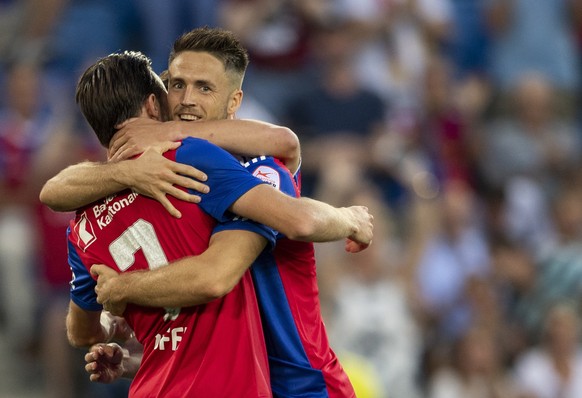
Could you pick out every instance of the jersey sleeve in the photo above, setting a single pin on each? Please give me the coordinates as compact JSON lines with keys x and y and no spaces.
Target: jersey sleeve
{"x":227,"y":178}
{"x":244,"y":224}
{"x":82,"y":290}
{"x":273,"y":172}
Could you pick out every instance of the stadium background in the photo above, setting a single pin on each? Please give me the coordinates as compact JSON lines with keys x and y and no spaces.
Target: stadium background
{"x":456,"y":121}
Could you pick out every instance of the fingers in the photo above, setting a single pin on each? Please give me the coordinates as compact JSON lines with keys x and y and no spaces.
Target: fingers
{"x":95,"y":352}
{"x":184,"y":195}
{"x":355,"y":247}
{"x":166,"y":146}
{"x":188,"y":171}
{"x":187,"y":183}
{"x":102,"y":269}
{"x":118,"y":140}
{"x":125,"y":152}
{"x":170,"y":208}
{"x":98,"y":269}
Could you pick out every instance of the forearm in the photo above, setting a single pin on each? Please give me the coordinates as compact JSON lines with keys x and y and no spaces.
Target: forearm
{"x":81,"y":184}
{"x":84,"y":328}
{"x":299,"y":219}
{"x":247,"y":138}
{"x":326,"y":223}
{"x":193,"y":280}
{"x":180,"y":285}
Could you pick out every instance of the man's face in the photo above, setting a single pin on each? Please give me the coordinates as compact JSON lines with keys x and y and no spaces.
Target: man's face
{"x":200,"y":89}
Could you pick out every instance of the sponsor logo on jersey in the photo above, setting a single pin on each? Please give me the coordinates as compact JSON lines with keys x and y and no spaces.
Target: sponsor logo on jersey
{"x":85,"y":232}
{"x":105,"y":211}
{"x":269,"y":175}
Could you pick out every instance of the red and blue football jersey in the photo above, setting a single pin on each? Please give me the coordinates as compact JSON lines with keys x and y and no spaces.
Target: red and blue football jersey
{"x":301,"y":360}
{"x":211,"y":350}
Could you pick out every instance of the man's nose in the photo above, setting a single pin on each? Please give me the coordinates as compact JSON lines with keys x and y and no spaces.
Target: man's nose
{"x":189,"y":96}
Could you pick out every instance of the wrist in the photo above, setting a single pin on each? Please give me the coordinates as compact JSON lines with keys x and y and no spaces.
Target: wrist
{"x":108,"y":326}
{"x":126,"y":287}
{"x":174,"y":131}
{"x":124,"y":363}
{"x":121,"y":174}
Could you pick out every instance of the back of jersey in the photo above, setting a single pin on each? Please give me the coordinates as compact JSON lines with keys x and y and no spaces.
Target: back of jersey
{"x":208,"y":350}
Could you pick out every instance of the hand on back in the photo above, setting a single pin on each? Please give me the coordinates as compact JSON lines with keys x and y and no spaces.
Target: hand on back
{"x":155,"y":176}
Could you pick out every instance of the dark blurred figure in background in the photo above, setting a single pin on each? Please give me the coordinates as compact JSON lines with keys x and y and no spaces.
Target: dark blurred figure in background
{"x":531,"y":35}
{"x":553,"y":366}
{"x":338,"y":108}
{"x":477,"y":369}
{"x":162,"y":21}
{"x":276,"y":34}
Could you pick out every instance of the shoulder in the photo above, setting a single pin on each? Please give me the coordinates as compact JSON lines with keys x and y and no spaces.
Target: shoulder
{"x":273,"y":172}
{"x":199,"y":152}
{"x":197,"y":145}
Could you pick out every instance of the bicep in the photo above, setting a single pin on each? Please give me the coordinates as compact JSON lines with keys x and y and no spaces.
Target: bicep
{"x":271,"y":207}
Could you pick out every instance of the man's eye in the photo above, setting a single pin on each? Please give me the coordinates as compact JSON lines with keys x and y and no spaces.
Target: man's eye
{"x":178,"y":85}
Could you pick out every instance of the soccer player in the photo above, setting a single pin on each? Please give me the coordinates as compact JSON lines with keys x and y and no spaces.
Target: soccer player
{"x":321,"y":375}
{"x":189,"y":351}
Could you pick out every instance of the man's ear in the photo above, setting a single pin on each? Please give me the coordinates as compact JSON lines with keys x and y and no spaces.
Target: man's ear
{"x":234,"y":102}
{"x":152,"y":107}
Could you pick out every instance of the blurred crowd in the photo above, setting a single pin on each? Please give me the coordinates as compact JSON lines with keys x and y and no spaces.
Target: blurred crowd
{"x":456,"y":121}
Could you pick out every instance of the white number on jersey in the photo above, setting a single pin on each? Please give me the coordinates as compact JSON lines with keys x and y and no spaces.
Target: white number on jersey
{"x":141,"y":235}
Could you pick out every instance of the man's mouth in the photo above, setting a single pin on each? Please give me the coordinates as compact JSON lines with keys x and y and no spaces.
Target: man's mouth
{"x":188,"y":118}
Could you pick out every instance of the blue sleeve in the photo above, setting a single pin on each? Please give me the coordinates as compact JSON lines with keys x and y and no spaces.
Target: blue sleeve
{"x":275,"y":174}
{"x":244,"y":224}
{"x":82,"y":285}
{"x":227,"y":178}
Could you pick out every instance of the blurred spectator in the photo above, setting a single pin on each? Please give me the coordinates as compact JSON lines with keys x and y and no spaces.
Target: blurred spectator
{"x":524,"y":153}
{"x":25,"y":126}
{"x":25,"y":29}
{"x":532,"y":139}
{"x":35,"y":143}
{"x":370,"y":313}
{"x":336,"y":108}
{"x":61,"y":364}
{"x":477,"y":369}
{"x":444,"y":134}
{"x":532,"y":35}
{"x":276,"y":33}
{"x":436,"y":142}
{"x":80,"y":32}
{"x":88,"y":29}
{"x":468,"y":43}
{"x":394,"y":39}
{"x":553,"y":368}
{"x":455,"y":252}
{"x":161,"y":22}
{"x":557,"y":275}
{"x":526,"y":215}
{"x":514,"y":273}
